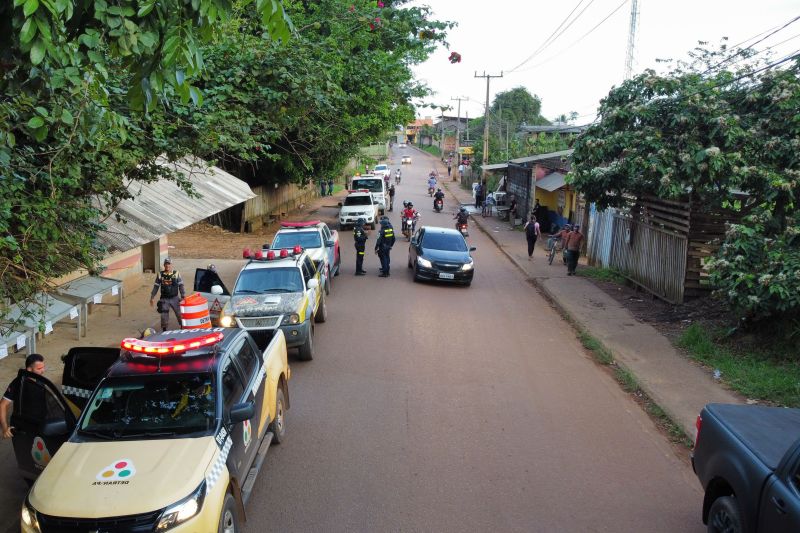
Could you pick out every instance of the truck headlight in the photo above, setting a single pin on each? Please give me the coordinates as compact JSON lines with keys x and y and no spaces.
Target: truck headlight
{"x":28,"y":518}
{"x":294,"y":318}
{"x":182,"y":511}
{"x":421,"y":261}
{"x":226,"y":321}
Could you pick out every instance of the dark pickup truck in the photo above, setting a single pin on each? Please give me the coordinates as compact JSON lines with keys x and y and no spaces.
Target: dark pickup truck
{"x":747,"y":458}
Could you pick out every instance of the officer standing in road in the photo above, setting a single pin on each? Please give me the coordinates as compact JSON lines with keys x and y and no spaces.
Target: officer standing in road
{"x":383,"y":246}
{"x":392,"y":192}
{"x":360,"y":238}
{"x":171,"y":285}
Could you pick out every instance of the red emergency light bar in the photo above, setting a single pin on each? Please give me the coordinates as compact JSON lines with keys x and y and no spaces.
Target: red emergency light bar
{"x":269,"y":255}
{"x":358,"y":190}
{"x":304,"y":224}
{"x":158,"y":348}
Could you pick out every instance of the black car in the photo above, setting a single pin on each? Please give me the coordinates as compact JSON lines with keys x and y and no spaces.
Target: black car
{"x":441,"y":254}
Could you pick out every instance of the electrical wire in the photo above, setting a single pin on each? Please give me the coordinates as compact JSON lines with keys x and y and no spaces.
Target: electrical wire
{"x":577,"y":41}
{"x":554,"y":36}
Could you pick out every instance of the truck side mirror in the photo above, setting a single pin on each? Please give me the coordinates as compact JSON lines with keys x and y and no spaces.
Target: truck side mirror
{"x":313,"y":283}
{"x":54,"y":428}
{"x":216,"y":289}
{"x":241,"y":412}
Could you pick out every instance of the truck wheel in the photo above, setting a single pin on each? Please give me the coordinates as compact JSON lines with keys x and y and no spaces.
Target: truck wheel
{"x":228,"y":519}
{"x":322,"y":312}
{"x":338,"y":265}
{"x":278,"y":424}
{"x":306,"y":351}
{"x":724,"y":516}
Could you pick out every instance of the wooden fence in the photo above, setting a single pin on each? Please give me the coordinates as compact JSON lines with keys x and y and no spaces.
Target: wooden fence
{"x":273,"y":203}
{"x":651,"y":257}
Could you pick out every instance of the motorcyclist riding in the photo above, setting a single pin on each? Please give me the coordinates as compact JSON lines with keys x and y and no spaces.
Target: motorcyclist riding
{"x":438,"y":198}
{"x":461,"y":217}
{"x":431,"y":184}
{"x":397,"y":176}
{"x":409,"y":213}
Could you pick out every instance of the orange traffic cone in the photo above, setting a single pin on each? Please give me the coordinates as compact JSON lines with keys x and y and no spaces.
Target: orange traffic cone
{"x":194,"y":312}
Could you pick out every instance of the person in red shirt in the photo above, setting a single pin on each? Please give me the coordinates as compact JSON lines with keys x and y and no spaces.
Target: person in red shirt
{"x":573,"y":244}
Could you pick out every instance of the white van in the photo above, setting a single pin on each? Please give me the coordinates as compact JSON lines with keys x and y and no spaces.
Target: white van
{"x":375,"y":185}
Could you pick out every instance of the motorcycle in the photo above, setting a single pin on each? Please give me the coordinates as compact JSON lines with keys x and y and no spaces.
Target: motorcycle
{"x":462,"y":227}
{"x":397,"y":178}
{"x":430,"y":191}
{"x":438,"y":204}
{"x":408,"y":227}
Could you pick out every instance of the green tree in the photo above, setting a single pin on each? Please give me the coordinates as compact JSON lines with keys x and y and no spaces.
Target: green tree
{"x":704,"y":131}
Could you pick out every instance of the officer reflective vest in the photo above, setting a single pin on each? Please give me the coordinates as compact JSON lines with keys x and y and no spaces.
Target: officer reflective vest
{"x":169,"y":284}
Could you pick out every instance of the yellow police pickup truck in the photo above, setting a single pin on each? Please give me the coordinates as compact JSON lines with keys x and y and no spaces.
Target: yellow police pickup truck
{"x":278,"y":289}
{"x":171,"y":438}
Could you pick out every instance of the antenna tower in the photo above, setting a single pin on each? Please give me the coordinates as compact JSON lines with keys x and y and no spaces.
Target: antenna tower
{"x":631,"y":38}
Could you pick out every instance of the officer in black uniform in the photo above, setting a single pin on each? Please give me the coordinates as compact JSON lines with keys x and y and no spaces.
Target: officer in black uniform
{"x":171,"y":285}
{"x":383,"y":246}
{"x":360,"y":239}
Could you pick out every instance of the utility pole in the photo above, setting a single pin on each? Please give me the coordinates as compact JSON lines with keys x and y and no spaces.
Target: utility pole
{"x":631,"y":38}
{"x":468,"y":125}
{"x":458,"y":130}
{"x":486,"y":119}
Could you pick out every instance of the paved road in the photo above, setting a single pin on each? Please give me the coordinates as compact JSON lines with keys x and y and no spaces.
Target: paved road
{"x":436,"y":408}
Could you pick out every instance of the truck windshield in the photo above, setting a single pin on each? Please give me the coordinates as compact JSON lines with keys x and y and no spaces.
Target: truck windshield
{"x":357,"y":200}
{"x":155,"y":406}
{"x":373,"y":184}
{"x":262,"y":280}
{"x":290,"y":239}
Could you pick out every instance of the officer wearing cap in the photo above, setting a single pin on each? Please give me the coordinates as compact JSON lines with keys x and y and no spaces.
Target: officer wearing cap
{"x":171,"y":285}
{"x":383,"y":246}
{"x":360,"y":239}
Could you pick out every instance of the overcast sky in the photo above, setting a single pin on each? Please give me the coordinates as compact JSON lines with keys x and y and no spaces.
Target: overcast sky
{"x":574,"y":72}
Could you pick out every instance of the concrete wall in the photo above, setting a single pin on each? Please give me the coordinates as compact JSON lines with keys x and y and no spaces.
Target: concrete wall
{"x":273,"y":203}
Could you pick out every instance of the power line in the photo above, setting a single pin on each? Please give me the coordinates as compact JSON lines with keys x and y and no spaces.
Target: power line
{"x":547,"y":42}
{"x":579,"y":39}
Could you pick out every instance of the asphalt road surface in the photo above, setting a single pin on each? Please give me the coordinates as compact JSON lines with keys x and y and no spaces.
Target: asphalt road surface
{"x":440,"y":408}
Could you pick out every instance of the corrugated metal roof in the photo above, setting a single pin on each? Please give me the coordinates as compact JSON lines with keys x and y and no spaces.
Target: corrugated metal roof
{"x":160,"y":208}
{"x":540,"y":157}
{"x":551,"y":182}
{"x":494,"y":166}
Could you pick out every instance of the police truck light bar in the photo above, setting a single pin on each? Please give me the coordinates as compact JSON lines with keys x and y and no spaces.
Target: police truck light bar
{"x":304,"y":224}
{"x":170,"y":347}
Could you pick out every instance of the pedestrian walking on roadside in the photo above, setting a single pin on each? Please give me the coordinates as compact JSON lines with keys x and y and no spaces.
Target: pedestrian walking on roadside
{"x":574,"y":241}
{"x":532,"y":232}
{"x":360,"y":239}
{"x":330,"y":186}
{"x":33,"y":363}
{"x":170,"y":283}
{"x":461,"y":171}
{"x":391,"y":197}
{"x":383,"y":246}
{"x":449,"y":168}
{"x":323,"y":187}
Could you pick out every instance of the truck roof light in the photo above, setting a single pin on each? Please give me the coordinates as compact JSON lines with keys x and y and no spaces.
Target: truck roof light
{"x":159,"y":348}
{"x":270,"y":255}
{"x":284,"y":253}
{"x":259,"y":254}
{"x":303,"y":224}
{"x":247,"y":253}
{"x":297,"y":250}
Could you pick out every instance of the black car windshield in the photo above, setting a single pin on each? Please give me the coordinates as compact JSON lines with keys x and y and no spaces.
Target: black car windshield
{"x":357,"y":200}
{"x":444,"y":241}
{"x":373,"y":184}
{"x":290,"y":239}
{"x":151,"y":406}
{"x":262,"y":280}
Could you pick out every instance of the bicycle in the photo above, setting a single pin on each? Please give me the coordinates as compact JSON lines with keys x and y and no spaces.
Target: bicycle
{"x":556,"y":244}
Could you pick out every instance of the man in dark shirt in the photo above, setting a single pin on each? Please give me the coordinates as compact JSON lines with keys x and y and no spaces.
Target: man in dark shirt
{"x":33,"y":363}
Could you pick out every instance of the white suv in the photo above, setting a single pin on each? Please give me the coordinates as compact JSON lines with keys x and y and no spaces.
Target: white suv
{"x":358,"y":204}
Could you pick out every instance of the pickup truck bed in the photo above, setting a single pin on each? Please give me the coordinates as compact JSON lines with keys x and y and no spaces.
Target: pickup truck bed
{"x":767,"y":431}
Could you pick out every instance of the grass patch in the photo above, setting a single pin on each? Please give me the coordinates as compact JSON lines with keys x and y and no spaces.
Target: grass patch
{"x":602,"y":274}
{"x":599,"y":351}
{"x":434,"y":150}
{"x":758,"y":375}
{"x":626,"y":379}
{"x":674,"y":431}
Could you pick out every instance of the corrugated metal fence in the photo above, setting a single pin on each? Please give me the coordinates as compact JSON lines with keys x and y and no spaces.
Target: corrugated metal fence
{"x":601,"y":227}
{"x":653,"y":258}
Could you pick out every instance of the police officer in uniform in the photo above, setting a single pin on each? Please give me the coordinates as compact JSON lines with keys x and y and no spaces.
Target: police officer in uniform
{"x":360,"y":239}
{"x":384,"y":244}
{"x":171,"y":285}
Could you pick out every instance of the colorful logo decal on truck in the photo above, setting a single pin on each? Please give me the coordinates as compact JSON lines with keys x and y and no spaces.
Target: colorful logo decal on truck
{"x":121,"y":470}
{"x":247,"y":433}
{"x":39,"y":452}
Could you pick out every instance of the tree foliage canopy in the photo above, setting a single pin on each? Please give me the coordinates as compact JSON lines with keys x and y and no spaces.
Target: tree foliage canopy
{"x":94,"y":92}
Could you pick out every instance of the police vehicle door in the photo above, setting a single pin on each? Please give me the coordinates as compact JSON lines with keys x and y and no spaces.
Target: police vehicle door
{"x":84,"y":368}
{"x":242,"y":434}
{"x":309,"y":273}
{"x":204,"y":279}
{"x":42,"y":422}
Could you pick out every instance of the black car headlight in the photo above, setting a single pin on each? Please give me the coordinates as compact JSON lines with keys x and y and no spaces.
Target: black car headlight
{"x":467,"y":266}
{"x":183,"y":510}
{"x":421,"y":261}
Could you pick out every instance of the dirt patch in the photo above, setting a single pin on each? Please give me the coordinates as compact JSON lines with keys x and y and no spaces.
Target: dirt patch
{"x":203,"y":240}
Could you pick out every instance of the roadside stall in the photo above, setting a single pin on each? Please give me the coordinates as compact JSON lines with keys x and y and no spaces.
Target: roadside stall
{"x":90,"y":290}
{"x":39,"y":315}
